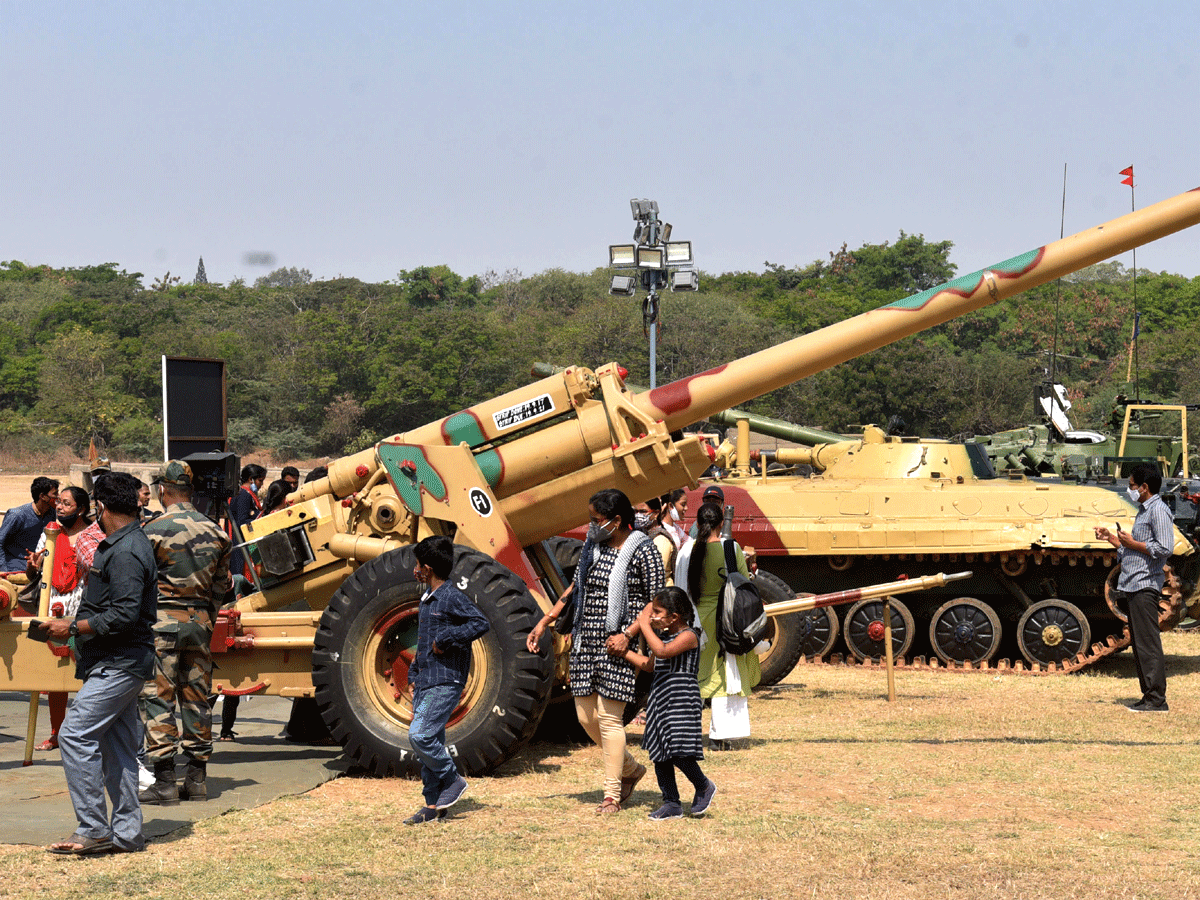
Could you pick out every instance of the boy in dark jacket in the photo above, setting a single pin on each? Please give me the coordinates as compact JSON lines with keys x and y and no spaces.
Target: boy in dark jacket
{"x":448,"y":622}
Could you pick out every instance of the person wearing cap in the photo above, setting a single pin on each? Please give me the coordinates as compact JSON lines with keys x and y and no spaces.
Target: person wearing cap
{"x":712,"y":494}
{"x":192,"y":554}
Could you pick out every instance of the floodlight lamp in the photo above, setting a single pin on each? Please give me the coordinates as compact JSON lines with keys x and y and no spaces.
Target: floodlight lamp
{"x":679,"y":253}
{"x":642,"y":209}
{"x":650,"y":258}
{"x":622,"y":286}
{"x":622,"y":256}
{"x":641,"y":233}
{"x":685,"y":280}
{"x":665,"y":232}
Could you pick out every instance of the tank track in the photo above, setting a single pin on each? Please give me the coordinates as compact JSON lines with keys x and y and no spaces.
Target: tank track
{"x":1171,"y":611}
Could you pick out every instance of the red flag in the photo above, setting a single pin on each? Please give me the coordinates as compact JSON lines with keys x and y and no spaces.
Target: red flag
{"x":1128,"y":173}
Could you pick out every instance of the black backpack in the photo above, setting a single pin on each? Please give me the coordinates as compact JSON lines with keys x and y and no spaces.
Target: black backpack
{"x":741,"y":618}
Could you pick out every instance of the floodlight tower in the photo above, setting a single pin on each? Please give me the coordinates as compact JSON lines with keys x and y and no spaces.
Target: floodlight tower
{"x":657,"y":261}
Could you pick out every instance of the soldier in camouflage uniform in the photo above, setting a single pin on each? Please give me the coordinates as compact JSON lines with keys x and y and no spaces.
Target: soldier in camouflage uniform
{"x":193,"y":582}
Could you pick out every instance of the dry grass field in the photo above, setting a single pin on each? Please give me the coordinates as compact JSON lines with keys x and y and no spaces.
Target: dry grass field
{"x":969,"y":786}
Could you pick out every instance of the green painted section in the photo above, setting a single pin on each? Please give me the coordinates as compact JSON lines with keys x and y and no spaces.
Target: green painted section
{"x":464,"y":427}
{"x":393,"y":456}
{"x":490,"y":465}
{"x":966,"y":284}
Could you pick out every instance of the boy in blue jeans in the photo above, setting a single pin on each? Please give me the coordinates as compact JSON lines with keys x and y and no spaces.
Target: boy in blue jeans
{"x":448,"y":621}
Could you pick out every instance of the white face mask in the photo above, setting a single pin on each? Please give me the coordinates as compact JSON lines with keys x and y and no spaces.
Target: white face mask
{"x":674,"y":514}
{"x":1134,"y":494}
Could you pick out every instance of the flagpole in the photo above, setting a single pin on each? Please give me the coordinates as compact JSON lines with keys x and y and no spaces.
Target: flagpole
{"x":1137,"y":390}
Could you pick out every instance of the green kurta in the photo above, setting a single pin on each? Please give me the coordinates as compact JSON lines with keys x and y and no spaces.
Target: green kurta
{"x":712,"y":661}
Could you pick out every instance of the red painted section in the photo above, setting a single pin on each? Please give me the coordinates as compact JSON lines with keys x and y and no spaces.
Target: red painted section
{"x":677,"y":396}
{"x":751,"y":527}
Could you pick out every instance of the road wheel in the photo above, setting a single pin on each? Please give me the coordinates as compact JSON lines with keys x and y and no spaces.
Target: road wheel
{"x":864,"y":629}
{"x":793,"y":635}
{"x":365,"y":643}
{"x":965,"y":631}
{"x":1053,"y":631}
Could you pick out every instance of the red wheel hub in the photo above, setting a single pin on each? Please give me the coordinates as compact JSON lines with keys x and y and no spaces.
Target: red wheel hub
{"x":875,"y":630}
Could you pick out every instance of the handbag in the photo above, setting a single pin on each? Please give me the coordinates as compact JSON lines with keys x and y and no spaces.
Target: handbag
{"x":565,"y":623}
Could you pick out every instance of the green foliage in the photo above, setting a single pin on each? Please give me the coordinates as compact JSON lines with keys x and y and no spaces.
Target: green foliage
{"x":329,"y":367}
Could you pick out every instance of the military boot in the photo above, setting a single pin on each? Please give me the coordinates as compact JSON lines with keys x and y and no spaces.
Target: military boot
{"x":195,"y":787}
{"x":164,"y":791}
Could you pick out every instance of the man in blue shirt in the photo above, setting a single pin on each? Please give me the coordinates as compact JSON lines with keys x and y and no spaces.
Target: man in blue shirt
{"x":447,"y":624}
{"x":1143,"y":551}
{"x":21,"y":528}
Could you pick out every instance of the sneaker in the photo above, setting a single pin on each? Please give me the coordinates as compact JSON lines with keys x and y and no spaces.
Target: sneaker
{"x":628,"y":784}
{"x":704,"y":799}
{"x":423,"y":815}
{"x":452,"y":794}
{"x":672,"y":809}
{"x":1143,"y":706}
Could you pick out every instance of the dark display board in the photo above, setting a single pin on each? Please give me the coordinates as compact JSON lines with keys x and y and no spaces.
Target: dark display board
{"x":193,"y":406}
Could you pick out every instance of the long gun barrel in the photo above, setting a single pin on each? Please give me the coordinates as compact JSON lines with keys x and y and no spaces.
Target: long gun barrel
{"x":908,"y":586}
{"x":564,"y":437}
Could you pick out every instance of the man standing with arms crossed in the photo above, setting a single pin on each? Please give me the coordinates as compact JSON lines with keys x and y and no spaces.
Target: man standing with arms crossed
{"x":1143,"y":551}
{"x":114,"y":647}
{"x":193,"y":581}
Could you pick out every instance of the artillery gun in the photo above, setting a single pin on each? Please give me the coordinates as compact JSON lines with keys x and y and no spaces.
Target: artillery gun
{"x":334,"y":612}
{"x":880,"y":507}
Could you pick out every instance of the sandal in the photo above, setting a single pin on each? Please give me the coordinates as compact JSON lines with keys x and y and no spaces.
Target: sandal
{"x":227,"y":736}
{"x":78,"y":845}
{"x":639,"y":719}
{"x":628,"y":784}
{"x":608,"y":807}
{"x":50,"y":743}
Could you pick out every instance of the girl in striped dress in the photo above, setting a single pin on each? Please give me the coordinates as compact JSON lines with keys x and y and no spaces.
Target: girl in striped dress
{"x":672,"y":737}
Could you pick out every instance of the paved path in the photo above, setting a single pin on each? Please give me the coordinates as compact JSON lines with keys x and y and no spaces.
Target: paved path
{"x":260,"y":766}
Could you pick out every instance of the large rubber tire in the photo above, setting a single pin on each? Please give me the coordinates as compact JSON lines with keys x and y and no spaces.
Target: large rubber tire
{"x":786,"y":634}
{"x":367,"y":637}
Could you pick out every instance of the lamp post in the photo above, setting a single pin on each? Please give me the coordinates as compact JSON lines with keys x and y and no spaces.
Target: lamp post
{"x":656,"y":261}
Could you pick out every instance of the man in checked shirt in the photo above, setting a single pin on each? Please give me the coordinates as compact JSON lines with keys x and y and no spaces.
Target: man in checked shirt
{"x":1143,"y":551}
{"x":447,"y":624}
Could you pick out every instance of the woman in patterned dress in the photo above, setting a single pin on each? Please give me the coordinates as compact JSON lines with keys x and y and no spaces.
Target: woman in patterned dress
{"x":619,"y":572}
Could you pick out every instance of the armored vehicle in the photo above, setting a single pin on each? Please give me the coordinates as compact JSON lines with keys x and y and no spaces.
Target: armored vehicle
{"x":1055,"y":447}
{"x":877,"y":508}
{"x":334,"y":612}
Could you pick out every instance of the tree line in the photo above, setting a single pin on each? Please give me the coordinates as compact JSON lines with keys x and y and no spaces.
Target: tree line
{"x":324,"y":368}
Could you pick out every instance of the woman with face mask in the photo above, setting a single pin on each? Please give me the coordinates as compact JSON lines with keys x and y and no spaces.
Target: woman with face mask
{"x":619,"y":572}
{"x":74,"y":548}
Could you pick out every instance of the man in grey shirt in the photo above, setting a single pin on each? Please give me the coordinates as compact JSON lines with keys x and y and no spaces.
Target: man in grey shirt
{"x":1143,"y":551}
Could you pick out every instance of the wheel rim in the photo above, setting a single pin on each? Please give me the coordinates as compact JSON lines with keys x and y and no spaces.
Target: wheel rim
{"x":864,"y":630}
{"x":1053,"y":631}
{"x":388,"y":655}
{"x":965,"y":630}
{"x":818,"y":629}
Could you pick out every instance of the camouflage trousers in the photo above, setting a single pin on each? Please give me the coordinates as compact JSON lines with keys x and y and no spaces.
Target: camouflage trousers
{"x":182,"y":680}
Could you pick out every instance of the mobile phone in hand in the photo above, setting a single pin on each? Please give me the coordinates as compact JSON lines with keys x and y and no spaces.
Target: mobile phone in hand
{"x":38,"y":631}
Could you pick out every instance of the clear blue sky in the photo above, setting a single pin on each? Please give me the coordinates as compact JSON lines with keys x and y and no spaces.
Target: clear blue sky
{"x":361,"y":139}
